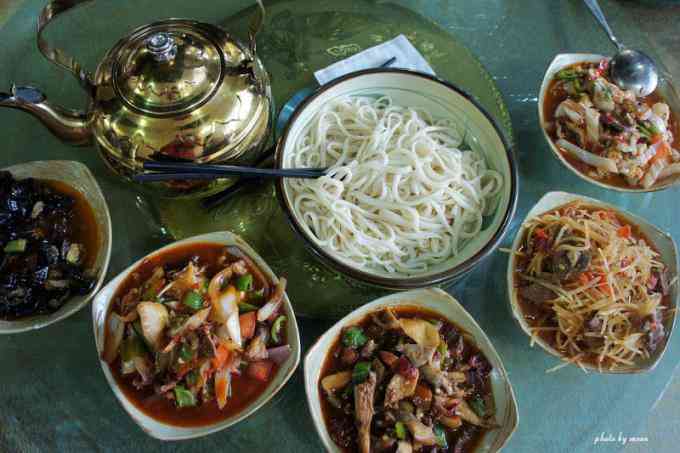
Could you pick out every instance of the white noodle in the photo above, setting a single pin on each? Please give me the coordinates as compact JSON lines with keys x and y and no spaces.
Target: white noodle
{"x":400,"y":195}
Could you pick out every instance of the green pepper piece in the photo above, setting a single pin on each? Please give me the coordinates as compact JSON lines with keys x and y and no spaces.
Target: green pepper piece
{"x":567,"y":74}
{"x":440,"y":436}
{"x":183,"y":397}
{"x":192,"y":377}
{"x":186,"y":353}
{"x":354,"y":337}
{"x":400,"y":430}
{"x":478,"y":405}
{"x":256,"y":295}
{"x":193,"y":300}
{"x":277,"y":326}
{"x":360,"y":372}
{"x":244,"y":282}
{"x":16,"y":246}
{"x":245,"y":307}
{"x":132,"y":347}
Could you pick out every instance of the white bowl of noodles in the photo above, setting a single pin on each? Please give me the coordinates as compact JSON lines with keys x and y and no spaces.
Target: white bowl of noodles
{"x":421,"y":183}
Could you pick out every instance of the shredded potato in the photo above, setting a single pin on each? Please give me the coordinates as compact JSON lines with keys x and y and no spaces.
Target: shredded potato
{"x":607,"y":312}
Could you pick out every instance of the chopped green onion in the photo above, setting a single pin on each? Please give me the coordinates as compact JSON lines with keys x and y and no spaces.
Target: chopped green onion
{"x":245,"y":307}
{"x":277,"y":326}
{"x":360,"y":372}
{"x":244,"y":282}
{"x":183,"y":397}
{"x":205,"y":286}
{"x":400,"y":430}
{"x":478,"y":405}
{"x":354,"y":337}
{"x":347,"y":393}
{"x":440,"y":436}
{"x":16,"y":246}
{"x":186,"y":353}
{"x":443,"y":348}
{"x":193,"y":300}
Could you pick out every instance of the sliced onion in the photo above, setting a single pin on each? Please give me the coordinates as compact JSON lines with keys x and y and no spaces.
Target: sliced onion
{"x":588,"y":157}
{"x":272,"y":307}
{"x":653,"y":173}
{"x":279,"y":354}
{"x":224,"y":304}
{"x":670,"y":170}
{"x":234,"y":328}
{"x":115,"y":328}
{"x":194,"y":322}
{"x":154,"y":318}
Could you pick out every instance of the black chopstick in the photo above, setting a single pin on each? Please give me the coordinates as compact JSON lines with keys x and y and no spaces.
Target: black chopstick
{"x":230,"y":170}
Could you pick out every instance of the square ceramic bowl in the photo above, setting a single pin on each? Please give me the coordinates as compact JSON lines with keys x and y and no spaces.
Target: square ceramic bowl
{"x":663,"y":242}
{"x":168,"y":432}
{"x":442,"y":100}
{"x":79,"y":177}
{"x":666,"y":89}
{"x":442,"y":303}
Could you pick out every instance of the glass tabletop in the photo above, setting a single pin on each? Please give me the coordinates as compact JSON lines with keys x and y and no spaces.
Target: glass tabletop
{"x":54,"y":396}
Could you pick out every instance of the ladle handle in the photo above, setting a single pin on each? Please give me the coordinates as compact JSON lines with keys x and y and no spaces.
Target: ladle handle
{"x":594,"y":7}
{"x":57,"y":56}
{"x":255,"y":26}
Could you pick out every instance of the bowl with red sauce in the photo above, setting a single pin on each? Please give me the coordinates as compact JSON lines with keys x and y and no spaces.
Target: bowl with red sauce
{"x":196,"y":336}
{"x":605,"y":135}
{"x":55,"y":242}
{"x":410,"y":371}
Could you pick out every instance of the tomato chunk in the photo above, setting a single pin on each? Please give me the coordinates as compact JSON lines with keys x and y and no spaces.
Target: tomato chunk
{"x":260,"y":371}
{"x":248,"y":322}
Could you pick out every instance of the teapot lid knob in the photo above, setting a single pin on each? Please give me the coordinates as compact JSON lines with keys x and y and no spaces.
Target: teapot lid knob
{"x":162,"y":46}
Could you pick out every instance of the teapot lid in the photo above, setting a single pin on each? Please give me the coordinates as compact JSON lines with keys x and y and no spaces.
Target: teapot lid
{"x":168,"y":69}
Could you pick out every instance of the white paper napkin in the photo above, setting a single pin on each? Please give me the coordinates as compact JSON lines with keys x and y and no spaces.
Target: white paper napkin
{"x":407,"y":57}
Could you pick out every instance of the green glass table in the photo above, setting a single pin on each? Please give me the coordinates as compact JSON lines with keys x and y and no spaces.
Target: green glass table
{"x":54,"y":396}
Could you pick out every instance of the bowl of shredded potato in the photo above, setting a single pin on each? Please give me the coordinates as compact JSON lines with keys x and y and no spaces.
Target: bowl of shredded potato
{"x":594,"y":285}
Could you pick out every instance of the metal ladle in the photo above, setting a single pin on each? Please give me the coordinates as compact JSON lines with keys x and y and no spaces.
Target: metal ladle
{"x":629,"y":69}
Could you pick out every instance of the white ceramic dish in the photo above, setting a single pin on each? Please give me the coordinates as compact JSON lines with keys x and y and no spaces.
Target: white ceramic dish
{"x":440,"y":302}
{"x":443,"y":100}
{"x":663,"y":242}
{"x":79,"y":177}
{"x":164,"y":431}
{"x":561,"y":61}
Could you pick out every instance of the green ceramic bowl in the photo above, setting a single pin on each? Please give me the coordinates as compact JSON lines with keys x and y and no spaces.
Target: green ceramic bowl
{"x":443,"y":100}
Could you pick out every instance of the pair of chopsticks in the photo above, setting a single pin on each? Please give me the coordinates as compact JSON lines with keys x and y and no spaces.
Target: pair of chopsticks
{"x":168,"y":171}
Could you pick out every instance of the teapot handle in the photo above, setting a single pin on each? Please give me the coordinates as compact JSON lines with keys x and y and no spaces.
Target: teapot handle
{"x":57,"y":56}
{"x":255,"y":26}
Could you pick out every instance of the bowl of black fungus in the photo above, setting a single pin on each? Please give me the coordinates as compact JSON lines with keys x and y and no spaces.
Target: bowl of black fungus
{"x":55,"y":242}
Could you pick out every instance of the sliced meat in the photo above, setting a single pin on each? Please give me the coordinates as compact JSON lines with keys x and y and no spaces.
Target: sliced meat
{"x":439,"y":379}
{"x":400,"y":387}
{"x":257,"y":349}
{"x":565,"y":265}
{"x":364,"y":410}
{"x":418,"y":355}
{"x":387,"y":320}
{"x":404,"y":447}
{"x":368,"y":349}
{"x":421,"y":433}
{"x":536,"y":293}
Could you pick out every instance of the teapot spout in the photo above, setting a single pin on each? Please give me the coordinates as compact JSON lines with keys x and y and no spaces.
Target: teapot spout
{"x":70,"y":126}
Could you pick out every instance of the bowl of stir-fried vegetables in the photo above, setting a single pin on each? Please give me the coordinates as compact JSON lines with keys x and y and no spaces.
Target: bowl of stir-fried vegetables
{"x":608,"y":136}
{"x":196,"y":336}
{"x":409,"y":372}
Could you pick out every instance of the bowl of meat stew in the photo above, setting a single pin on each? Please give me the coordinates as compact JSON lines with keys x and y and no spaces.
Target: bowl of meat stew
{"x":196,"y":336}
{"x":409,"y":372}
{"x":610,"y":137}
{"x":55,"y":242}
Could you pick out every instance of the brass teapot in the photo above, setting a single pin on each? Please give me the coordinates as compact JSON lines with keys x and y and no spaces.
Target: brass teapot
{"x":174,"y":90}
